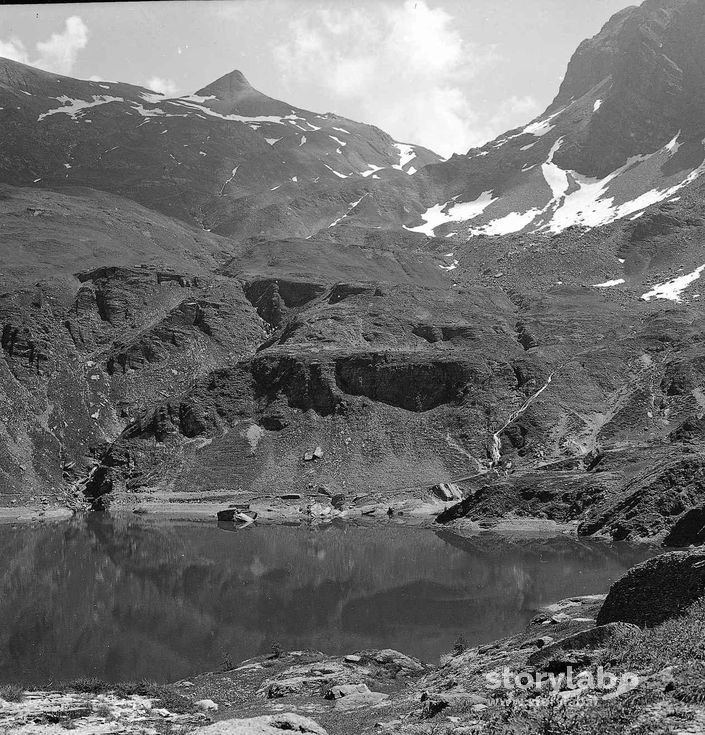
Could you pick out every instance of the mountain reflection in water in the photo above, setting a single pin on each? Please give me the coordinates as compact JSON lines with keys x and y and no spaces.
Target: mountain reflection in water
{"x":125,"y":598}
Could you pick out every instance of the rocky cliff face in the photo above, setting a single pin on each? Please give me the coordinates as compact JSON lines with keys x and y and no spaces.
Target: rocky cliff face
{"x":406,"y":315}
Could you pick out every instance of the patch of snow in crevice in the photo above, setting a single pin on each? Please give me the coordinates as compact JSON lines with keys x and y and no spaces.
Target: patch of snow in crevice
{"x":672,"y":290}
{"x":272,"y":141}
{"x":674,"y":145}
{"x":608,"y":284}
{"x":337,"y":140}
{"x":232,"y":176}
{"x":351,"y":208}
{"x":526,"y":147}
{"x":303,"y":140}
{"x":597,"y":105}
{"x":555,"y":176}
{"x":337,"y":173}
{"x":342,"y":130}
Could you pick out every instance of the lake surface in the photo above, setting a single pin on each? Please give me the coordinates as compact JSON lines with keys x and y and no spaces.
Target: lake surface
{"x":129,"y":598}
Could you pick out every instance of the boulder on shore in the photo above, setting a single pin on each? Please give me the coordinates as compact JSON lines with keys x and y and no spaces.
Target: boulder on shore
{"x":265,"y":725}
{"x":656,"y":590}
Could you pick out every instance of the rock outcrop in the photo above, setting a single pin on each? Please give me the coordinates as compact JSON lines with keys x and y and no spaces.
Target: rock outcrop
{"x":656,"y":590}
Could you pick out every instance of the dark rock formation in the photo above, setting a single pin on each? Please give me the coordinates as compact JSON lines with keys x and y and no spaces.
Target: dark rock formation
{"x":656,"y":590}
{"x":688,"y":530}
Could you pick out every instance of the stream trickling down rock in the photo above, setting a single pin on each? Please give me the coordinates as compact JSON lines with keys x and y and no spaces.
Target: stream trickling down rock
{"x":124,"y":598}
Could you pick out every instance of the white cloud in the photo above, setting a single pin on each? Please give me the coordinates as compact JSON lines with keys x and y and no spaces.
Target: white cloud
{"x":404,"y":66}
{"x":58,"y":53}
{"x":163,"y":86}
{"x":13,"y":49}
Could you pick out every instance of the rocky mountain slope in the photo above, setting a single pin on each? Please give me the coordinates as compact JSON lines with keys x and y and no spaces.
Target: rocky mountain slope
{"x":227,"y":158}
{"x":198,"y":292}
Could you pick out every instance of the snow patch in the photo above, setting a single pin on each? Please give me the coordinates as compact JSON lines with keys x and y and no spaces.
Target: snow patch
{"x":555,"y":176}
{"x":272,"y":141}
{"x":371,"y":170}
{"x":337,"y":173}
{"x":597,"y":105}
{"x":513,"y":222}
{"x":673,"y":289}
{"x":72,"y":107}
{"x":450,"y":267}
{"x":540,"y":127}
{"x":674,"y":145}
{"x":350,"y":209}
{"x":406,"y":155}
{"x":440,"y":214}
{"x":608,"y":284}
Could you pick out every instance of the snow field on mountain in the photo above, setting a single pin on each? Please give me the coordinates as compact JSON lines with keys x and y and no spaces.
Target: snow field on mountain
{"x":673,"y":289}
{"x":436,"y":216}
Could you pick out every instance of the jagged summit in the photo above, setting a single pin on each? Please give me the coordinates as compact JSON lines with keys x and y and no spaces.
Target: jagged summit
{"x":625,"y":131}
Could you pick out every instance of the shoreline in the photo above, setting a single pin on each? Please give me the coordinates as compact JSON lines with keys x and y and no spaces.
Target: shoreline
{"x":417,"y":513}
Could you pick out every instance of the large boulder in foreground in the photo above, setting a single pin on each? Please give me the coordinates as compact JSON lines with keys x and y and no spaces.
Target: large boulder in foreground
{"x":656,"y":590}
{"x":266,"y":725}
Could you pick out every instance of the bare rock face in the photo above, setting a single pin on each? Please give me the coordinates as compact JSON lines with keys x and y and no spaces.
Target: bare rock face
{"x":652,"y":503}
{"x":656,"y":590}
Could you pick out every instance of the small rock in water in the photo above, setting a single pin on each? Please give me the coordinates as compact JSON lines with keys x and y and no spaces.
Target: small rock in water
{"x":318,"y":453}
{"x":352,"y":659}
{"x":308,"y":457}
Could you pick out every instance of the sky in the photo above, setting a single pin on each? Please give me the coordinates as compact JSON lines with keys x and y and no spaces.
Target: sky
{"x":446,"y":74}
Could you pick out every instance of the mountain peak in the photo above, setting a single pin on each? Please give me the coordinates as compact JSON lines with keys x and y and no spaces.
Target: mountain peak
{"x":230,"y":88}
